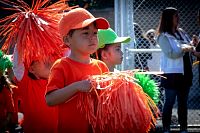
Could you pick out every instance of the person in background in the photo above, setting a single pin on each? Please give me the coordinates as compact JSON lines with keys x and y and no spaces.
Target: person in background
{"x":141,"y":43}
{"x":196,"y":42}
{"x":176,"y":65}
{"x":68,"y":75}
{"x":109,"y":48}
{"x":151,"y":36}
{"x":198,"y":18}
{"x":154,"y":63}
{"x":7,"y":107}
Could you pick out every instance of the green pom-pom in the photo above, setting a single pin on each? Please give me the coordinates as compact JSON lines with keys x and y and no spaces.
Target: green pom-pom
{"x":4,"y":62}
{"x":1,"y":54}
{"x":149,"y":86}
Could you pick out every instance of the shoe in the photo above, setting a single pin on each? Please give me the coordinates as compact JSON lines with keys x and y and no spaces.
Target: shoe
{"x":184,"y":131}
{"x":174,"y":120}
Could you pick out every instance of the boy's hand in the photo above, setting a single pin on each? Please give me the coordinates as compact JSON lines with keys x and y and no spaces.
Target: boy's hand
{"x":84,"y":85}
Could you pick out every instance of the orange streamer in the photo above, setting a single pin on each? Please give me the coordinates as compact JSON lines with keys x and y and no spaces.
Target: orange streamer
{"x":118,"y":105}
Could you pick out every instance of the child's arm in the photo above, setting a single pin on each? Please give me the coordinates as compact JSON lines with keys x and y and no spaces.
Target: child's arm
{"x":62,"y":95}
{"x":18,"y":66}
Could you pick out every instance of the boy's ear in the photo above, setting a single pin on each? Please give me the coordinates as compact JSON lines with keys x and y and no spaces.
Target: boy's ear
{"x":104,"y":54}
{"x":31,"y":69}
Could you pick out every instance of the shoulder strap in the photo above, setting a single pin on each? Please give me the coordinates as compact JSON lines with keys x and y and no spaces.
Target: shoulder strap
{"x":184,"y":35}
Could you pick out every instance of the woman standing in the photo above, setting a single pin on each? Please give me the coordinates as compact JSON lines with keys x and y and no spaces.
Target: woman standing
{"x":176,"y":65}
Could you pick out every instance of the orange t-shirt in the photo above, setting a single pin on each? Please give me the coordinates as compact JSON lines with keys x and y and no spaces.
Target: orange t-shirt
{"x":64,"y":72}
{"x":38,"y":117}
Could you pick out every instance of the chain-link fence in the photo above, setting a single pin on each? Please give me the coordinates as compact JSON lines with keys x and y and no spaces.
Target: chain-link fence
{"x":146,"y":15}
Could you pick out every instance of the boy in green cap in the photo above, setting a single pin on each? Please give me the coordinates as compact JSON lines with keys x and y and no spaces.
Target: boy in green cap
{"x":109,"y":50}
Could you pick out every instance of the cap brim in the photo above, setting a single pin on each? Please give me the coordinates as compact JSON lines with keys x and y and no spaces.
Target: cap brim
{"x":101,"y":23}
{"x":122,"y":40}
{"x":117,"y":40}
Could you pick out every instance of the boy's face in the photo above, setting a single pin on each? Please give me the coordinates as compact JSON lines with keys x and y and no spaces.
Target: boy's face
{"x":114,"y":54}
{"x":83,"y":41}
{"x":40,"y":69}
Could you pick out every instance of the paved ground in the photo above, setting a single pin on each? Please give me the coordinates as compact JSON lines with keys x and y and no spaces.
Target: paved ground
{"x":192,"y":128}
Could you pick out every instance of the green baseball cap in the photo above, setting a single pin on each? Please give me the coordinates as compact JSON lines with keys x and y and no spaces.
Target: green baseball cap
{"x":108,"y":36}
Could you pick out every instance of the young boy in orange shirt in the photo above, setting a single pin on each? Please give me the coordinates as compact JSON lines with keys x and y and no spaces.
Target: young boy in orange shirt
{"x":68,"y":76}
{"x":38,"y":117}
{"x":110,"y":48}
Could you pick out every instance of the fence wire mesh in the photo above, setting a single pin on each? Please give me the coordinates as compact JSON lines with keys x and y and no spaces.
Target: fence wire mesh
{"x":146,"y":16}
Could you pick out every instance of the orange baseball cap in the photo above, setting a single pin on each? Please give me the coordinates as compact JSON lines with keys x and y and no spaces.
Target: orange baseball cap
{"x":79,"y":18}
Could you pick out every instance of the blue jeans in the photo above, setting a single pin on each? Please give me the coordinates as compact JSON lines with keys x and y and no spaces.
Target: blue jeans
{"x":174,"y":90}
